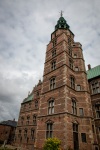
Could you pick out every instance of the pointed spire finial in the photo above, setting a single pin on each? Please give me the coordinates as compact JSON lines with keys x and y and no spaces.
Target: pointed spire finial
{"x":61,"y":13}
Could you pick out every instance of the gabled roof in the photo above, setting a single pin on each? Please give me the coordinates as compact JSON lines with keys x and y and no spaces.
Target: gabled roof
{"x":11,"y":123}
{"x":93,"y":72}
{"x":29,"y":98}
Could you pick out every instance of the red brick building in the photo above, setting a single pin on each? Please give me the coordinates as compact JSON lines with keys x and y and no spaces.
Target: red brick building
{"x":94,"y":83}
{"x":7,"y":131}
{"x":60,"y":106}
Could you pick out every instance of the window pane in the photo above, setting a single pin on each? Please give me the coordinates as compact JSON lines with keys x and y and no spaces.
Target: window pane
{"x":50,"y":127}
{"x":78,"y":87}
{"x":83,"y":136}
{"x":81,"y":111}
{"x":50,"y":134}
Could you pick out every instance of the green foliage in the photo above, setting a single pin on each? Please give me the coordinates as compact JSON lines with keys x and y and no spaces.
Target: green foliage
{"x":52,"y":144}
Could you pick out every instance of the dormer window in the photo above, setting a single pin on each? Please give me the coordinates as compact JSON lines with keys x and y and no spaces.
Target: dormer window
{"x":95,"y":87}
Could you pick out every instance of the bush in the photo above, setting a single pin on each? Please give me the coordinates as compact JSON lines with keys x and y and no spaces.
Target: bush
{"x":52,"y":144}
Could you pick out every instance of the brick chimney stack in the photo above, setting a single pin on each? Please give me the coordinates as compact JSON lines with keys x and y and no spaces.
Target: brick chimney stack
{"x":89,"y":66}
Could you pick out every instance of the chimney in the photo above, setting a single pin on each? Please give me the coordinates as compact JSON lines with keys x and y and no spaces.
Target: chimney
{"x":89,"y":66}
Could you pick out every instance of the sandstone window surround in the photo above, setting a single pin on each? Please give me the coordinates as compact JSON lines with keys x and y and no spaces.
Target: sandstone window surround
{"x":71,"y":63}
{"x":49,"y":130}
{"x":72,"y":82}
{"x":51,"y":106}
{"x":83,"y":137}
{"x":53,"y":52}
{"x":53,"y":65}
{"x":74,"y":108}
{"x":52,"y":83}
{"x":34,"y":120}
{"x":95,"y":87}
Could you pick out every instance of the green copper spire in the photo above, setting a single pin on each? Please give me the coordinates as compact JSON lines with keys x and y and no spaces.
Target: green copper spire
{"x":61,"y":23}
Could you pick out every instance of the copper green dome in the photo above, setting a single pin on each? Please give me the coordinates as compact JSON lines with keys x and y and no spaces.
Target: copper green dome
{"x":61,"y":24}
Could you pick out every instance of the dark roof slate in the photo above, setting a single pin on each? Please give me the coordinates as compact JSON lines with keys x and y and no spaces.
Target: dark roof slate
{"x":11,"y":123}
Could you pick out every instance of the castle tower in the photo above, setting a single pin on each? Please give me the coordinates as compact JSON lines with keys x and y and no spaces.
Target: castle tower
{"x":65,"y":108}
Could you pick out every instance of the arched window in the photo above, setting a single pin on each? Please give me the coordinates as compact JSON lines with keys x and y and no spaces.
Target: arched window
{"x":52,"y":83}
{"x":49,"y":129}
{"x":72,"y":82}
{"x":74,"y":108}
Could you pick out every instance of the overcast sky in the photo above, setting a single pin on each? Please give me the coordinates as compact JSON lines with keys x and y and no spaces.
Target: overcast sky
{"x":25,"y":30}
